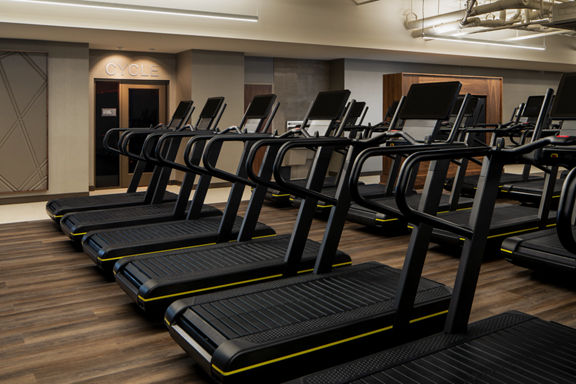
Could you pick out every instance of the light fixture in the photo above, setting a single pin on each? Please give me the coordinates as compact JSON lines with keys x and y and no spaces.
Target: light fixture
{"x":481,"y":42}
{"x":144,"y":9}
{"x":536,"y":35}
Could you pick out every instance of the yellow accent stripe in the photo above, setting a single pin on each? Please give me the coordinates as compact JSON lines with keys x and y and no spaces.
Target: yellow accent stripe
{"x":315,"y":348}
{"x":333,"y":266}
{"x":324,"y":206}
{"x":78,"y":234}
{"x":164,"y":250}
{"x":226,"y":285}
{"x":550,"y":225}
{"x":428,"y":316}
{"x":280,"y":194}
{"x":410,"y":226}
{"x":57,"y":216}
{"x":513,"y":232}
{"x":385,"y":220}
{"x":506,"y":250}
{"x":177,"y":249}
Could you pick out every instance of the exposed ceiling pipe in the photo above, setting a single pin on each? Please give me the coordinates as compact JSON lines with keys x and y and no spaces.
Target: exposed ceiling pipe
{"x":501,"y":5}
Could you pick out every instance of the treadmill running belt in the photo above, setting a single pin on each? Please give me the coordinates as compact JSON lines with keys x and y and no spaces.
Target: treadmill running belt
{"x":289,"y":322}
{"x":115,"y":243}
{"x":537,"y":250}
{"x":148,"y":279}
{"x":59,"y":207}
{"x":508,"y":348}
{"x":81,"y":222}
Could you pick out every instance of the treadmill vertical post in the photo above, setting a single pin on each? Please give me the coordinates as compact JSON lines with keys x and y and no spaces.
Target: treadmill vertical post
{"x":258,"y":195}
{"x":418,"y":245}
{"x":473,"y":249}
{"x":187,"y":184}
{"x":337,"y":217}
{"x":306,"y":212}
{"x":203,"y":185}
{"x":548,"y":190}
{"x":164,"y":175}
{"x":234,"y":198}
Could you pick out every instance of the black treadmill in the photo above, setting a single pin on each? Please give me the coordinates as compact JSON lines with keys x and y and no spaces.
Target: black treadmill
{"x":107,"y":246}
{"x":154,"y":281}
{"x":276,"y":329}
{"x":59,"y":207}
{"x":543,"y":250}
{"x":412,"y":116}
{"x":517,"y":129}
{"x":509,"y":348}
{"x":77,"y":224}
{"x":508,"y":219}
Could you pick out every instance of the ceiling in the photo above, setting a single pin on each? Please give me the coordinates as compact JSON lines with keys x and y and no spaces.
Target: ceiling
{"x":320,"y":29}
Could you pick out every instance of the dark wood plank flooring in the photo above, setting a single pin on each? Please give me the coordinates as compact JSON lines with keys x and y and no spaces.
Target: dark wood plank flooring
{"x":61,"y":321}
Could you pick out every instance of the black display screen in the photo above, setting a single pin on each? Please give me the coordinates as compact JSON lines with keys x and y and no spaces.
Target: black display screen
{"x":182,"y":109}
{"x":357,"y":109}
{"x":564,"y":107}
{"x":260,"y":106}
{"x":329,"y":105}
{"x":533,"y":106}
{"x":430,"y":101}
{"x":211,"y":107}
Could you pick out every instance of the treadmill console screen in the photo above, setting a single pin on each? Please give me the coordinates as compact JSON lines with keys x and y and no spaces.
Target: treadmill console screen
{"x":564,"y":107}
{"x":430,"y":101}
{"x":533,"y":106}
{"x":181,"y":110}
{"x":357,"y":109}
{"x":329,"y":105}
{"x":211,"y":107}
{"x":260,"y":106}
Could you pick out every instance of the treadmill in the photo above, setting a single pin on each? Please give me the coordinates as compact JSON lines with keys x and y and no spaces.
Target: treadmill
{"x":77,"y":224}
{"x":59,"y":207}
{"x":276,"y":329}
{"x":521,"y":125}
{"x":508,"y":348}
{"x":156,"y":280}
{"x":412,"y":114}
{"x":508,"y":219}
{"x":543,"y":250}
{"x":107,"y":246}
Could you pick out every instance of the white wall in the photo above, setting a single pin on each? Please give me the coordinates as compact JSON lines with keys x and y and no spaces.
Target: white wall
{"x":68,"y":128}
{"x":364,"y":79}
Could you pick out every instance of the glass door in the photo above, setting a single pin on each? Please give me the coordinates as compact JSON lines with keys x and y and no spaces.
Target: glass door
{"x":141,"y":106}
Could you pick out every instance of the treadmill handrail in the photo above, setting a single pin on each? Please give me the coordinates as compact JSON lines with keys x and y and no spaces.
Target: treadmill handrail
{"x":404,"y":178}
{"x":181,"y":167}
{"x":373,"y":152}
{"x":126,"y":137}
{"x":416,"y":216}
{"x":220,"y":172}
{"x":311,"y":142}
{"x":564,"y":225}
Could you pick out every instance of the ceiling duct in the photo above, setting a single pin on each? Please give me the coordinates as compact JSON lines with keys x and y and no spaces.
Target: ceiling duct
{"x":563,"y":16}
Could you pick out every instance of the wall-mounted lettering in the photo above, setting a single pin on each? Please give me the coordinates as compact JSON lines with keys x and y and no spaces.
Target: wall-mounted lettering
{"x":132,"y":70}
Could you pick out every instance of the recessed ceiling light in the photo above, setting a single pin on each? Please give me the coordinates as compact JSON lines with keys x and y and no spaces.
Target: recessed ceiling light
{"x":144,"y":9}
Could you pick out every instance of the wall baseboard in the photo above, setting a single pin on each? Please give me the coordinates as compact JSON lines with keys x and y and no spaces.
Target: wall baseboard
{"x":34,"y":199}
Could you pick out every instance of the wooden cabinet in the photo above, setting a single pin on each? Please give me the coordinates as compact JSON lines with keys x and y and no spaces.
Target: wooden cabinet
{"x":397,"y":85}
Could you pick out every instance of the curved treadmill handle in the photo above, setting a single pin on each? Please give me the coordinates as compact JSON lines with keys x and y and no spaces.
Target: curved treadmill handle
{"x":246,"y":137}
{"x":159,"y":152}
{"x":565,"y":211}
{"x":416,"y":216}
{"x":128,"y":136}
{"x":315,"y":142}
{"x":374,"y":152}
{"x":276,"y":141}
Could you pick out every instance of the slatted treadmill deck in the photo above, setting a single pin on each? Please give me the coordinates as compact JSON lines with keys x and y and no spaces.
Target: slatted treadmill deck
{"x":539,"y":250}
{"x":114,"y":243}
{"x":366,"y":216}
{"x":508,"y":348}
{"x":281,"y":324}
{"x":82,"y":222}
{"x":156,"y":280}
{"x":62,"y":206}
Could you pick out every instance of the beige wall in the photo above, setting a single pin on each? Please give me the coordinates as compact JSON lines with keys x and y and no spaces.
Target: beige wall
{"x":133,"y":66}
{"x":206,"y":74}
{"x":68,"y":160}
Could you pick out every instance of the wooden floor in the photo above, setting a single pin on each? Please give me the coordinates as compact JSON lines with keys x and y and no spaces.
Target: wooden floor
{"x":61,"y":321}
